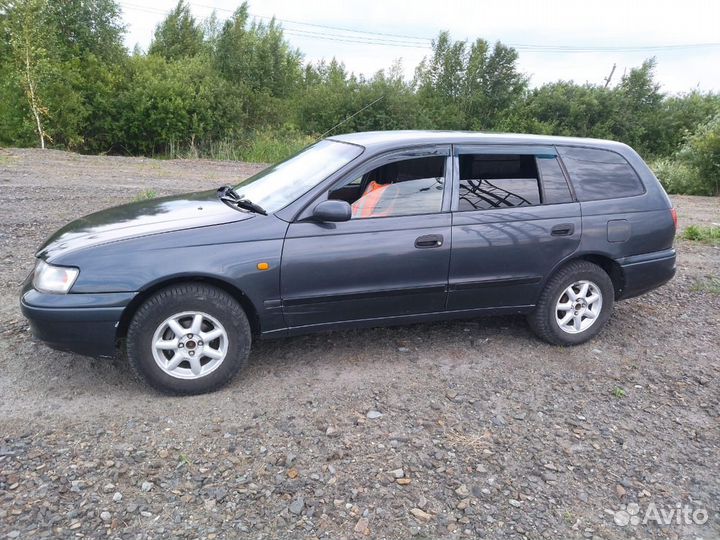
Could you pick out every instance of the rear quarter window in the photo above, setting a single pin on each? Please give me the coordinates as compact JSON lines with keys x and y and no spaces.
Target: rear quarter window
{"x":600,"y":174}
{"x":553,"y":180}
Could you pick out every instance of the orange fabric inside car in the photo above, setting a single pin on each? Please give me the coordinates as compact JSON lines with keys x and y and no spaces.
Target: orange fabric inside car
{"x":365,"y":206}
{"x":372,"y":185}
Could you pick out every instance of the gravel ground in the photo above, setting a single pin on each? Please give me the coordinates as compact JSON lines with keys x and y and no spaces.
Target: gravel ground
{"x":469,"y":429}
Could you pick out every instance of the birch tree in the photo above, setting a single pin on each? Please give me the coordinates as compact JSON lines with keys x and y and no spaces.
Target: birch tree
{"x":29,"y":41}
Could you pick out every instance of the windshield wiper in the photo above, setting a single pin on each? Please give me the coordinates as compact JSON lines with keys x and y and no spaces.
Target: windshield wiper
{"x":229,"y":196}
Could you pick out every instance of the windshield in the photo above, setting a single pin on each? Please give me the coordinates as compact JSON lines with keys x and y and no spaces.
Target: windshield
{"x":279,"y":185}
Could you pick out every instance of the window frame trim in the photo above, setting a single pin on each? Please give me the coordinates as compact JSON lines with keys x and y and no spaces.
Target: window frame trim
{"x":625,"y":160}
{"x":397,"y":154}
{"x":571,"y":189}
{"x":505,"y":149}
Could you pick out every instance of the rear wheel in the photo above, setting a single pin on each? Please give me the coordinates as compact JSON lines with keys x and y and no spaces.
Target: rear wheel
{"x":574,"y":306}
{"x":188,"y":339}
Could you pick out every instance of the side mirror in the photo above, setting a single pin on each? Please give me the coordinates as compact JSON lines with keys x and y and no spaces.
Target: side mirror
{"x":332,"y":211}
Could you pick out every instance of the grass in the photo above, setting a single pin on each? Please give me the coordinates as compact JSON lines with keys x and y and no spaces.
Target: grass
{"x":619,"y":392}
{"x":709,"y":285}
{"x":268,"y":148}
{"x":468,"y":443}
{"x":146,"y":195}
{"x":258,"y":147}
{"x":706,"y":235}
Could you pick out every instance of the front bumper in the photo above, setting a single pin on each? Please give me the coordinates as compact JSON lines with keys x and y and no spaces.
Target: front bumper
{"x":643,"y":273}
{"x":80,"y":323}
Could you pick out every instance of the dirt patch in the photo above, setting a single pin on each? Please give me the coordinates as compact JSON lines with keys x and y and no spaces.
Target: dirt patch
{"x":483,"y":431}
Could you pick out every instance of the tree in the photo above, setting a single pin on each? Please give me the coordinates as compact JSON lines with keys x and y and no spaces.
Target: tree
{"x":565,"y":108}
{"x":258,"y":56}
{"x":702,"y":152}
{"x":29,"y":38}
{"x":468,"y":88}
{"x":82,"y":28}
{"x":679,"y":115}
{"x":493,"y":85}
{"x":638,"y":104}
{"x":178,"y":36}
{"x":64,"y":58}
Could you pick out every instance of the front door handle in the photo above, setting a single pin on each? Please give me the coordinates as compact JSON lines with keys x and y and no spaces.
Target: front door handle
{"x":566,"y":229}
{"x":429,"y":241}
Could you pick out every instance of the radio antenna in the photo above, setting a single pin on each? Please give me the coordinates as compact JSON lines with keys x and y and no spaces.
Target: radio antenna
{"x":351,"y":116}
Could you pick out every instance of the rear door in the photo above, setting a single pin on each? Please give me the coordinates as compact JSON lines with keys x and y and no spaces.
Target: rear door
{"x":514,"y":219}
{"x":390,"y":260}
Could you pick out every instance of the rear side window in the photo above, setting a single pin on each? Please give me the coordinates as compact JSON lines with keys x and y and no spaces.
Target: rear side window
{"x":600,"y":174}
{"x":497,"y":181}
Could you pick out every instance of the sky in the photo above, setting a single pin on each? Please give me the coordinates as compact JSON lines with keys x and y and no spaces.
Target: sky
{"x":556,"y":39}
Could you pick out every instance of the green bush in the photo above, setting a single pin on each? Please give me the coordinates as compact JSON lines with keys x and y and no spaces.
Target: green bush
{"x":702,"y":152}
{"x":695,"y":168}
{"x":678,"y":177}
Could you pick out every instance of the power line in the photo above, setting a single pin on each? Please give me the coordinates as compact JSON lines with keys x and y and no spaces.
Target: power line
{"x":317,"y":25}
{"x":600,"y":48}
{"x":349,"y":39}
{"x":366,"y":37}
{"x":345,"y":38}
{"x":145,"y":9}
{"x":302,"y":32}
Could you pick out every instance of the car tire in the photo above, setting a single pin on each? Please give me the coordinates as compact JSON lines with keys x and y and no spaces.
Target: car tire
{"x":568,"y":312}
{"x":174,"y":321}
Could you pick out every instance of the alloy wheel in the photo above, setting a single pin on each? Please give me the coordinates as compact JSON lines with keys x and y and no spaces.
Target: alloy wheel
{"x":189,"y":345}
{"x":578,"y":307}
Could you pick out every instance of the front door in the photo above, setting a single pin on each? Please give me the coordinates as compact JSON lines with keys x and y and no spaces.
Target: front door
{"x":514,"y":220}
{"x":390,"y":260}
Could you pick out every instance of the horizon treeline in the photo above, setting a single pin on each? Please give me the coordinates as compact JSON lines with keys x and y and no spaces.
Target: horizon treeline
{"x":237,"y":89}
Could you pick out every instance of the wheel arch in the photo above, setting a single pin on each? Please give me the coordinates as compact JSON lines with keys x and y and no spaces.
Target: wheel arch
{"x":144,"y":294}
{"x":608,"y":264}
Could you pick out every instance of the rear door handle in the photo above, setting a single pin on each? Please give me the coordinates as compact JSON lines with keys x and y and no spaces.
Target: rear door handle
{"x":429,"y":241}
{"x":566,"y":229}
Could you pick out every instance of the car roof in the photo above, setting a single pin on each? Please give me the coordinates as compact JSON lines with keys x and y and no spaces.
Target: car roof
{"x":400,"y":138}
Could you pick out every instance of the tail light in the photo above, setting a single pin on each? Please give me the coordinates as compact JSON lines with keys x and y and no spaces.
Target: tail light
{"x":673,"y":213}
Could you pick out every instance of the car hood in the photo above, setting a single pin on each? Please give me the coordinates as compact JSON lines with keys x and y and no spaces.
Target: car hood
{"x":140,"y":219}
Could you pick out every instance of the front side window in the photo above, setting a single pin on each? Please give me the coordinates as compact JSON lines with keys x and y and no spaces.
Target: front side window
{"x":400,"y":188}
{"x":497,"y":181}
{"x":600,"y":174}
{"x":280,"y":184}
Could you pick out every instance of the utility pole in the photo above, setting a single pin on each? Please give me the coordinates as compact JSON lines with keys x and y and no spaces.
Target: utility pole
{"x":609,"y":77}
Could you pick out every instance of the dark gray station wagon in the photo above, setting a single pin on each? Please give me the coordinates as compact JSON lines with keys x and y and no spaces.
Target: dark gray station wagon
{"x":366,"y":229}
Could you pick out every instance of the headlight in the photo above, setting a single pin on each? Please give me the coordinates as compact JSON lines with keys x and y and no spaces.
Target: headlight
{"x":54,"y":279}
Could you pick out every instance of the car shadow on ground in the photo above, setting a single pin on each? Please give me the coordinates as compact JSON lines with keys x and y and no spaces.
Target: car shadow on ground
{"x":491,"y":341}
{"x":50,"y":369}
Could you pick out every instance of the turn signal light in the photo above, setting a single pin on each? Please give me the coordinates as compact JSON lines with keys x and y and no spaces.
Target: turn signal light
{"x":263,"y":266}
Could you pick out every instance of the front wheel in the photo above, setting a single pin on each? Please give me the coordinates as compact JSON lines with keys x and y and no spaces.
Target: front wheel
{"x":188,"y":339}
{"x":574,"y":306}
